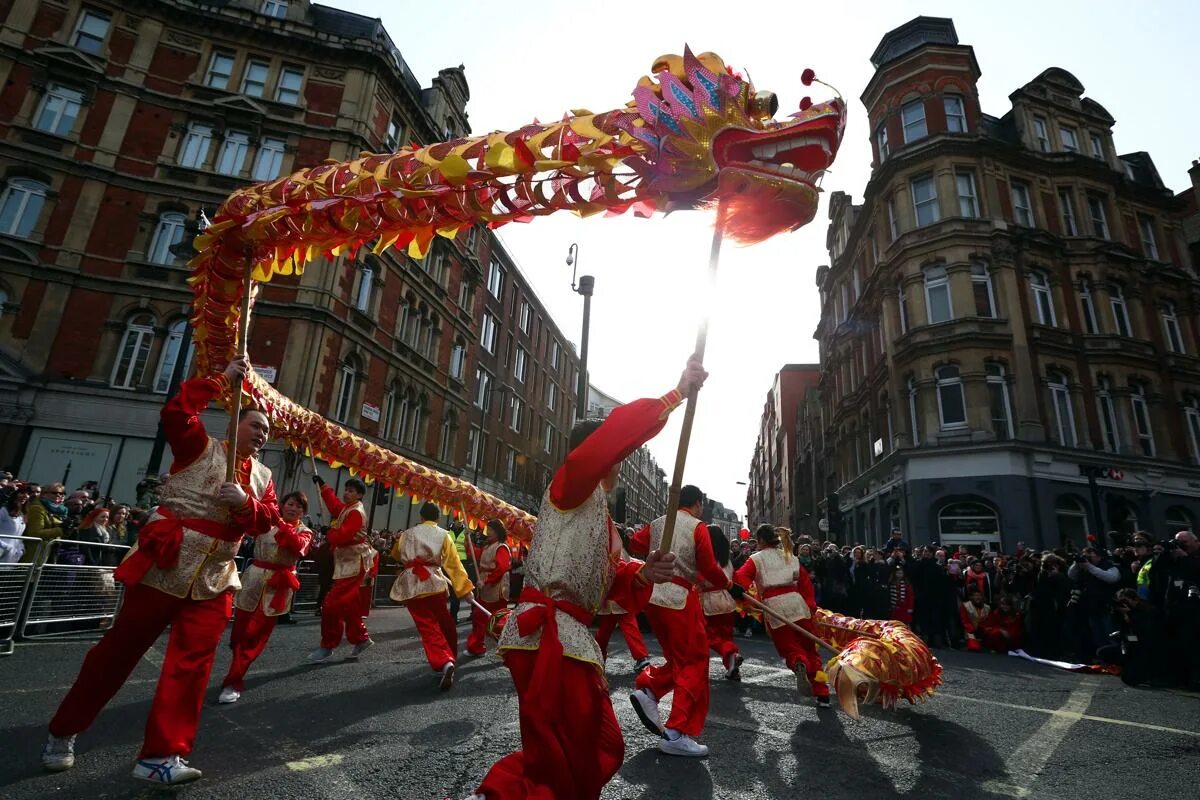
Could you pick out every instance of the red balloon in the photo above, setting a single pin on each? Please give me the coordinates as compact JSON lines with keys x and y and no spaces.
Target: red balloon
{"x":743,"y":534}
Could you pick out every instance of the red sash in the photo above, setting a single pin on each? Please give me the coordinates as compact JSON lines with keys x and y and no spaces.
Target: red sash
{"x":420,"y":568}
{"x":547,"y":669}
{"x":775,"y":591}
{"x":684,"y":582}
{"x":284,"y":578}
{"x":159,"y":541}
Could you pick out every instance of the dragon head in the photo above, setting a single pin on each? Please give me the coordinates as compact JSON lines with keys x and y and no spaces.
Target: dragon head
{"x":710,"y":136}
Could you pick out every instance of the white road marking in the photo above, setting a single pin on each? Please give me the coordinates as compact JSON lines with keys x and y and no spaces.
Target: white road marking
{"x":152,"y":655}
{"x":1061,"y":712}
{"x":315,"y":762}
{"x":1025,"y":764}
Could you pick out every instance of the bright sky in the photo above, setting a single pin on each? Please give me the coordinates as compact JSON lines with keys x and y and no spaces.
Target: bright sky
{"x":540,"y":60}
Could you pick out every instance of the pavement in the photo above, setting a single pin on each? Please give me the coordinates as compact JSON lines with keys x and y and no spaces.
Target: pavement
{"x":999,"y":727}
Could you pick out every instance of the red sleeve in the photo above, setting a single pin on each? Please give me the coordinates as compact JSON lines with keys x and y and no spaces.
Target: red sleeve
{"x":629,"y":590}
{"x":639,"y":543}
{"x":329,"y":496}
{"x":804,"y":584}
{"x":744,"y":576}
{"x":293,"y":539}
{"x":626,"y":429}
{"x":503,"y":562}
{"x":182,"y":427}
{"x":259,"y":515}
{"x":965,"y":618}
{"x":706,"y":562}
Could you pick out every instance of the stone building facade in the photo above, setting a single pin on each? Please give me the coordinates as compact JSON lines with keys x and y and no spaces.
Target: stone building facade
{"x":770,"y":494}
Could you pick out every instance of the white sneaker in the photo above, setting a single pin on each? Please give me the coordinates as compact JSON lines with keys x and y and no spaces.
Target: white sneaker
{"x":319,"y":655}
{"x":645,"y":705}
{"x":361,"y":647}
{"x":58,"y":754}
{"x":683,"y":745}
{"x":170,"y":771}
{"x":229,"y":695}
{"x":803,"y":684}
{"x":447,"y":676}
{"x":733,"y":667}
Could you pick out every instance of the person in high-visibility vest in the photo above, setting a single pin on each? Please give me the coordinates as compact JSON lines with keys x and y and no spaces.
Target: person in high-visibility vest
{"x":458,"y":534}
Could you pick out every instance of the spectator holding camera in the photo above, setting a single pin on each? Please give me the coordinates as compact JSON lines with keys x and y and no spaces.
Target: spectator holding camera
{"x":1139,"y":645}
{"x":1048,"y":608}
{"x":1179,"y":566}
{"x":1096,"y":578}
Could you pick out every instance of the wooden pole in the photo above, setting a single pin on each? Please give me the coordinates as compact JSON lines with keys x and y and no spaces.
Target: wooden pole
{"x":235,"y":406}
{"x":770,"y":611}
{"x":689,"y":414}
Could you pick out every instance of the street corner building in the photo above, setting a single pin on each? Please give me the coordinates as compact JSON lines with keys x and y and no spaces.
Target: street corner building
{"x":123,"y":126}
{"x":1009,"y":341}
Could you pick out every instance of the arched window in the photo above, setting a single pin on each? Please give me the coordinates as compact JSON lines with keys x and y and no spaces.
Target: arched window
{"x":1064,"y":415}
{"x":969,"y":523}
{"x":981,"y":286}
{"x":1088,"y":303}
{"x":952,"y":406}
{"x":133,"y":352}
{"x":418,"y":421}
{"x":1072,"y":517}
{"x":1120,"y":310}
{"x":1191,"y":415}
{"x":997,"y":383}
{"x":448,"y":437}
{"x":912,"y":115}
{"x":346,"y":391}
{"x":404,"y":417}
{"x":21,"y":205}
{"x":956,"y":115}
{"x":167,"y":233}
{"x":366,"y":284}
{"x":1179,"y":519}
{"x":1043,"y":298}
{"x":170,"y":356}
{"x":389,"y":411}
{"x":1122,"y":516}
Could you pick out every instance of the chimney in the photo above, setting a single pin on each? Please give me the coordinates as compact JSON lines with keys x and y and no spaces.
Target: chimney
{"x":1195,"y":173}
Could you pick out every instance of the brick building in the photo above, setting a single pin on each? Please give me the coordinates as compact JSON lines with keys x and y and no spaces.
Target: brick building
{"x":769,"y":493}
{"x":1008,"y":314}
{"x":120,"y":124}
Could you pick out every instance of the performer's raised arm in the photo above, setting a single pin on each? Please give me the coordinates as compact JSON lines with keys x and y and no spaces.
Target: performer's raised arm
{"x":182,"y":427}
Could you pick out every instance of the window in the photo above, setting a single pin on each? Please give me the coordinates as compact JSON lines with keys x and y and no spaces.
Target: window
{"x":389,"y":412}
{"x":881,"y":138}
{"x":21,"y":205}
{"x":414,"y":438}
{"x":997,"y":385}
{"x":1120,"y":310}
{"x":952,"y":407}
{"x":232,"y":158}
{"x":403,"y":419}
{"x":893,"y":225}
{"x":495,"y":282}
{"x":510,"y":464}
{"x":548,"y":434}
{"x":288,"y":90}
{"x":220,"y":70}
{"x":58,"y":110}
{"x":254,"y":81}
{"x":903,"y":303}
{"x":435,"y":264}
{"x":526,"y":316}
{"x":555,"y":351}
{"x":956,"y":118}
{"x":474,"y":448}
{"x":1064,"y":417}
{"x":168,"y":233}
{"x":1097,"y":148}
{"x":1090,"y":323}
{"x":1172,"y":330}
{"x":913,"y":417}
{"x":345,"y":398}
{"x":275,"y":8}
{"x":133,"y":352}
{"x":1191,"y":413}
{"x":514,"y":413}
{"x":1108,"y":415}
{"x":446,"y":440}
{"x":170,"y":357}
{"x":1099,"y":218}
{"x":968,"y":204}
{"x":1070,"y":142}
{"x":937,"y":295}
{"x":981,"y":286}
{"x":551,"y":396}
{"x":969,"y":524}
{"x":1043,"y":298}
{"x":194,"y":151}
{"x":395,"y":134}
{"x":1022,"y":207}
{"x":925,"y":204}
{"x":91,"y":31}
{"x":1040,"y":135}
{"x":487,"y":332}
{"x":458,"y":359}
{"x":1067,"y":207}
{"x":521,"y":365}
{"x":913,"y":115}
{"x":269,"y":161}
{"x":1149,"y":244}
{"x":483,"y":387}
{"x":366,"y":282}
{"x":1141,"y":419}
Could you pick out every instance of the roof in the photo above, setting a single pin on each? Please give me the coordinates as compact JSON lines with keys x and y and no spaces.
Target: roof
{"x":911,"y":35}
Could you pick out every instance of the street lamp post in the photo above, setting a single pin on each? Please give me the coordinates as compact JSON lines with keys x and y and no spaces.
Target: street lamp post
{"x":585,"y":287}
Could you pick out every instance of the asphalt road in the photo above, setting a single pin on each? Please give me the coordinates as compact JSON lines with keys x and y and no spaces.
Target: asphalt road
{"x":379,"y":728}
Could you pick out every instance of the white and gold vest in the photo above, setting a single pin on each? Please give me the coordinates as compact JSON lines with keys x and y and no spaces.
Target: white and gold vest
{"x":352,"y":559}
{"x":772,"y":571}
{"x":420,"y":543}
{"x":683,"y":545}
{"x":572,"y":557}
{"x":205,"y":567}
{"x":255,"y":591}
{"x":491,"y":593}
{"x":718,"y":601}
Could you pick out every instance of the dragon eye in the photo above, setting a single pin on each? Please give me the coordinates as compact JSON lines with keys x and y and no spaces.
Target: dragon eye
{"x":764,"y":105}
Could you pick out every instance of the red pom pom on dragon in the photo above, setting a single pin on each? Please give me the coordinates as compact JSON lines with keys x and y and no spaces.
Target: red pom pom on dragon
{"x":696,"y":133}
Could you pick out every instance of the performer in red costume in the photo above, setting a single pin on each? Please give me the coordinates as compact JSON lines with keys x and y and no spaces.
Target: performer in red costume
{"x":571,"y":742}
{"x":719,"y":610}
{"x":971,"y":614}
{"x":429,"y":568}
{"x":678,"y":623}
{"x":784,"y":586}
{"x":267,"y":588}
{"x":180,"y":573}
{"x":355,"y":563}
{"x":611,"y":617}
{"x":492,"y":563}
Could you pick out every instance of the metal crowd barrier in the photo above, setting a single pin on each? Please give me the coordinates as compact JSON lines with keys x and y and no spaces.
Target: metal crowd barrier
{"x":73,"y":590}
{"x":18,"y":555}
{"x":306,"y":596}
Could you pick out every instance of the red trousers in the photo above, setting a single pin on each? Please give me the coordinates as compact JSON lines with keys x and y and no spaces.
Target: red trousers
{"x":797,"y":649}
{"x":345,"y":609}
{"x":719,"y":628}
{"x":685,"y":645}
{"x":251,"y":630}
{"x":196,"y":628}
{"x":477,"y":640}
{"x":436,"y":628}
{"x":568,"y":757}
{"x":629,"y":629}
